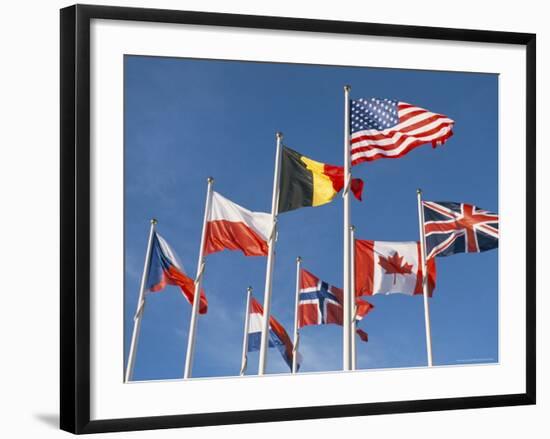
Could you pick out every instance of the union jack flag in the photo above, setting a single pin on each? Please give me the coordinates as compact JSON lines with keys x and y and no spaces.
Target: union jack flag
{"x":320,"y":303}
{"x":458,"y":228}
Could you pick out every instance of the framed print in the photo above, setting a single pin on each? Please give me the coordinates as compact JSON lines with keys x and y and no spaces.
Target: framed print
{"x":304,"y":218}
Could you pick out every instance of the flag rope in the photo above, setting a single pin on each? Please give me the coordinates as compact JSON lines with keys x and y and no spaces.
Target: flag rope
{"x":273,"y":231}
{"x":348,"y":185}
{"x":244,"y":366}
{"x":200,"y":273}
{"x":139,"y":311}
{"x":296,"y":343}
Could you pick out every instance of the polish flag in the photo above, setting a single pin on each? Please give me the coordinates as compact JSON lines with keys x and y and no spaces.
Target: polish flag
{"x":233,"y":227}
{"x":386,"y":267}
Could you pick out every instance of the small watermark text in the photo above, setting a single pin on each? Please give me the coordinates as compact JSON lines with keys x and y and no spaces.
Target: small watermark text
{"x":475,"y":360}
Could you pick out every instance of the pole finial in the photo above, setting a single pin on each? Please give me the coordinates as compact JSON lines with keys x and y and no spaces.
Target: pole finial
{"x":249,"y":289}
{"x":279,"y":134}
{"x":299,"y":259}
{"x":347,"y":87}
{"x":210,"y":180}
{"x":154,"y":221}
{"x":419,"y":191}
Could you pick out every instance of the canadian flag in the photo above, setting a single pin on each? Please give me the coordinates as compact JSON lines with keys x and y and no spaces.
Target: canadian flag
{"x":386,"y":267}
{"x":233,"y":227}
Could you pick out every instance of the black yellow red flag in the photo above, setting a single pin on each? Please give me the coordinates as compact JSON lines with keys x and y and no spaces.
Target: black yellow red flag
{"x":306,"y":182}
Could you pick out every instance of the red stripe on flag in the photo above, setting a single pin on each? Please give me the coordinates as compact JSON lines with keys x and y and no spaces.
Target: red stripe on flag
{"x":431,"y":274}
{"x":364,"y":267}
{"x":336,"y":175}
{"x":405,"y":151}
{"x":389,"y":136}
{"x":222,"y":234}
{"x":363,"y":308}
{"x":173,"y":276}
{"x":362,"y":335}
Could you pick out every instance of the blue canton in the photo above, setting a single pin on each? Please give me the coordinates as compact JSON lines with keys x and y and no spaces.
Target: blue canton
{"x":373,"y":114}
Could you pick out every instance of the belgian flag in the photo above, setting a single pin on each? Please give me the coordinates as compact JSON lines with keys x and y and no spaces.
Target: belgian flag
{"x":305,"y":182}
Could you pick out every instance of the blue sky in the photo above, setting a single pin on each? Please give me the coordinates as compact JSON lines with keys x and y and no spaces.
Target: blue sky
{"x":188,"y":119}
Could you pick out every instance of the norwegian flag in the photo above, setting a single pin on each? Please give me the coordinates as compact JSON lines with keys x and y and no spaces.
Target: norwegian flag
{"x":458,"y":228}
{"x":320,"y":303}
{"x":386,"y":128}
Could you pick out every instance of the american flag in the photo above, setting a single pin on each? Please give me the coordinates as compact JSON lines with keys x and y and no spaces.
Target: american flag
{"x":458,"y":228}
{"x":386,"y":128}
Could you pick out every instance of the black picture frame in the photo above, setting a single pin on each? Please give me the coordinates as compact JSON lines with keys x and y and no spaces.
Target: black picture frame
{"x":75,"y":217}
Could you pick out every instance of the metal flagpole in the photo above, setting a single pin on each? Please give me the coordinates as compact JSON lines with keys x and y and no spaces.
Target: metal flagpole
{"x":198,"y":284}
{"x":296,"y":304}
{"x":270,"y":256}
{"x":244,"y":358}
{"x":140,"y":306}
{"x":424,"y":277}
{"x":352,"y":287}
{"x":347,"y":214}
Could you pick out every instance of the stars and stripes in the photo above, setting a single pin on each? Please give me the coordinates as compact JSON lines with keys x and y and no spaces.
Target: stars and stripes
{"x":458,"y":228}
{"x":387,"y":128}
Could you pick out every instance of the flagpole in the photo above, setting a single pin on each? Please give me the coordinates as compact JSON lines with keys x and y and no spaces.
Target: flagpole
{"x":270,"y":256}
{"x":198,"y":284}
{"x":347,"y":222}
{"x":424,"y":277}
{"x":354,"y":316}
{"x":296,"y":304}
{"x":244,"y":358}
{"x":140,"y":306}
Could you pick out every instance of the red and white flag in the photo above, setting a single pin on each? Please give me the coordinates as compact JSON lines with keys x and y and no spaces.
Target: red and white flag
{"x":387,"y":128}
{"x":233,"y":227}
{"x":386,"y":267}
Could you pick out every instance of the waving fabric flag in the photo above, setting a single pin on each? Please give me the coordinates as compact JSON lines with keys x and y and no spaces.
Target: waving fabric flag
{"x":305,"y":182}
{"x":320,"y":303}
{"x":386,"y":267}
{"x":278,"y":336}
{"x":233,"y":227}
{"x":165,"y":269}
{"x":386,"y":128}
{"x":458,"y":228}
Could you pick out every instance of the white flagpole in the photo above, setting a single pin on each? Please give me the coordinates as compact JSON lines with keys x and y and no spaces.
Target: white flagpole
{"x":347,"y":218}
{"x":296,"y":304}
{"x":424,"y":277}
{"x":198,"y":284}
{"x":354,"y":316}
{"x":140,"y":306}
{"x":270,"y":256}
{"x":244,"y":357}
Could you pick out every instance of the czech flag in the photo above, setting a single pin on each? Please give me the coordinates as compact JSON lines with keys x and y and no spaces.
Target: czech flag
{"x":305,"y":182}
{"x":165,"y":269}
{"x":278,"y":336}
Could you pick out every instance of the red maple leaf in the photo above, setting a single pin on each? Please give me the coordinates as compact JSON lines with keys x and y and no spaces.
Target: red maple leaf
{"x":395,"y":265}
